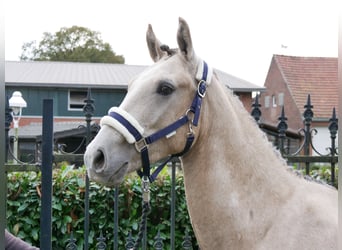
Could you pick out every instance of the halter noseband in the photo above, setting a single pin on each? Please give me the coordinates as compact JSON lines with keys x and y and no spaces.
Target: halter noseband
{"x":130,"y":128}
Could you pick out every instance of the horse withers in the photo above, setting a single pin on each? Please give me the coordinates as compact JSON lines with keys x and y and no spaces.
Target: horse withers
{"x":240,"y":193}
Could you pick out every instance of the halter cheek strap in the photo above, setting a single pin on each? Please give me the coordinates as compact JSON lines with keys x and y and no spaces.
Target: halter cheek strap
{"x":132,"y":131}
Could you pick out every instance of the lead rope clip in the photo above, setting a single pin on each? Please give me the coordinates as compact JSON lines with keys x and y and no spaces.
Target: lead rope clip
{"x":146,"y":189}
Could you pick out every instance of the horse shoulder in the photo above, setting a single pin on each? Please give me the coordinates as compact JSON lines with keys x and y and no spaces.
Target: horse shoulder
{"x":312,"y":210}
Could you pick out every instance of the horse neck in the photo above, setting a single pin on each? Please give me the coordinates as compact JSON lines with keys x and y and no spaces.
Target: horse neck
{"x":229,"y":139}
{"x":230,"y":160}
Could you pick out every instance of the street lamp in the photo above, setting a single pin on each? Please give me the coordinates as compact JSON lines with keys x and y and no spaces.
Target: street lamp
{"x":16,"y":103}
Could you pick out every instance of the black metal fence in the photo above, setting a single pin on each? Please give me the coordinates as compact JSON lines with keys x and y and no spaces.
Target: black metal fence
{"x":48,"y":159}
{"x":302,"y":155}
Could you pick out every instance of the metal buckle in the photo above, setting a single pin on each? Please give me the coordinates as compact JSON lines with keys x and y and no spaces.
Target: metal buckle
{"x":198,"y":88}
{"x":140,"y":145}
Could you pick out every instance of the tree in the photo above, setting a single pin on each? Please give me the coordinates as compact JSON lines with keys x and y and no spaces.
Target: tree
{"x":75,"y":44}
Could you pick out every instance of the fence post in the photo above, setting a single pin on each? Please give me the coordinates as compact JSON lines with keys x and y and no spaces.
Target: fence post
{"x":308,"y":115}
{"x":8,"y":121}
{"x":88,"y":111}
{"x":256,"y":112}
{"x":333,"y":128}
{"x":173,"y":202}
{"x":282,"y":127}
{"x":3,"y":176}
{"x":116,"y":219}
{"x":47,"y":155}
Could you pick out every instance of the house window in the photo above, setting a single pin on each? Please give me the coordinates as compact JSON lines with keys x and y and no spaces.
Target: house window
{"x":274,"y":101}
{"x":281,"y":99}
{"x":267,"y":101}
{"x":76,"y":99}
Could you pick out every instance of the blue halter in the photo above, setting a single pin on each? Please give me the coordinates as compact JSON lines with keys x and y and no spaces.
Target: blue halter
{"x":141,"y":143}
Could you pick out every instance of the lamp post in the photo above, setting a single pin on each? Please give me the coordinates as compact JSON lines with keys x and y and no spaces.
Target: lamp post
{"x":16,"y":103}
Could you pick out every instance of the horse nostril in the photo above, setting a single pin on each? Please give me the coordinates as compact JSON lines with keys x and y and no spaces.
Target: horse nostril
{"x":99,"y":161}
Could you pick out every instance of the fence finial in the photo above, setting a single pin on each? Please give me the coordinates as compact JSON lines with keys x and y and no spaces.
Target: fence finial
{"x":333,"y":125}
{"x":187,"y":245}
{"x":129,"y":241}
{"x":71,"y":243}
{"x":89,"y":107}
{"x":8,"y":121}
{"x":256,"y":112}
{"x":282,"y":125}
{"x":158,"y":245}
{"x":101,"y":244}
{"x":308,"y":113}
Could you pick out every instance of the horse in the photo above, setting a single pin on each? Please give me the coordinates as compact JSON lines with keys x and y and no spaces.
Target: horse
{"x":239,"y":191}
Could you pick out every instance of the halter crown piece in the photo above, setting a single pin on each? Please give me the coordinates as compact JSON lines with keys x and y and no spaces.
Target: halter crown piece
{"x":133,"y":132}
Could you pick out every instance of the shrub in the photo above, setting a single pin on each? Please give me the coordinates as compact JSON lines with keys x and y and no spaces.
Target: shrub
{"x":23,"y":209}
{"x":321,"y":173}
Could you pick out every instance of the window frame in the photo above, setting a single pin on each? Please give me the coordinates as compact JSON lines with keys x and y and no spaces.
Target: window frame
{"x":76,"y":99}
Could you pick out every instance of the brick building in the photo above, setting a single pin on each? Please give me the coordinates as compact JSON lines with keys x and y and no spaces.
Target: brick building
{"x":289,"y":81}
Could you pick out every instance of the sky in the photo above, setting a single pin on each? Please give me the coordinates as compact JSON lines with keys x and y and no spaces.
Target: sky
{"x":238,"y":37}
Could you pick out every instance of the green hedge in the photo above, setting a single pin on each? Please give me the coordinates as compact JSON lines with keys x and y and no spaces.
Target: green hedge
{"x":23,"y":209}
{"x":320,"y":173}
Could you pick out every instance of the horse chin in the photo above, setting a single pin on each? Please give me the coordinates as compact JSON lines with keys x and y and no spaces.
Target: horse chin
{"x":109,"y":179}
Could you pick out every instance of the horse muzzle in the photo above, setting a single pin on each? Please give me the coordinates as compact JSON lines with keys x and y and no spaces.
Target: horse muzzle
{"x":104,"y":164}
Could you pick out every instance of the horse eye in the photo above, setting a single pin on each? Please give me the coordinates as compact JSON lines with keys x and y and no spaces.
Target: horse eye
{"x":165,"y":88}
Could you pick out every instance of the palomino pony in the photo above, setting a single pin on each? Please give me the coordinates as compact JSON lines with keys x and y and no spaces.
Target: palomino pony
{"x":240,"y":194}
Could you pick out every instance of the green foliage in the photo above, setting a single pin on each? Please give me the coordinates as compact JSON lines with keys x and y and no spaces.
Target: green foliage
{"x":23,"y":205}
{"x":323,"y":173}
{"x":23,"y":211}
{"x":75,"y":44}
{"x":320,"y":173}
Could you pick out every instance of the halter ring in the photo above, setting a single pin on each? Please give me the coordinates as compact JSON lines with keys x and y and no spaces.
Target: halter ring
{"x":191,"y":119}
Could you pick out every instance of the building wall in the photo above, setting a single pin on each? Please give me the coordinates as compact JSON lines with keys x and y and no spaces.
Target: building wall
{"x":275,"y":84}
{"x":246,"y":99}
{"x":321,"y":140}
{"x":103,"y":100}
{"x":277,"y":95}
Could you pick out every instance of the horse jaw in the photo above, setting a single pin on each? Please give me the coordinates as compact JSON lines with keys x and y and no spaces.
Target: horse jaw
{"x":109,"y":157}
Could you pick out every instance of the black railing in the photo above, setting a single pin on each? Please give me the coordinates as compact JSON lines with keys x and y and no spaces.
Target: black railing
{"x":88,"y":110}
{"x":45,"y":166}
{"x":46,"y":169}
{"x":303,"y":154}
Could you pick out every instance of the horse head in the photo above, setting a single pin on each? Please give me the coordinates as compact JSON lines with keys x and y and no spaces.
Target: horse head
{"x":159,"y":96}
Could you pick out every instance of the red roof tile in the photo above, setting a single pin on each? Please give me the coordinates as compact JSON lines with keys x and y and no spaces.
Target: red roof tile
{"x":317,"y":76}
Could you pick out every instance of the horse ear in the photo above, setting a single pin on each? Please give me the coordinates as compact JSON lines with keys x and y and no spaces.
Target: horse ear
{"x":153,"y":45}
{"x":184,"y":40}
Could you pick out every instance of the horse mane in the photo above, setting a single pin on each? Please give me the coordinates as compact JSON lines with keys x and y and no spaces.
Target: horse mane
{"x":166,"y":48}
{"x":297,"y":173}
